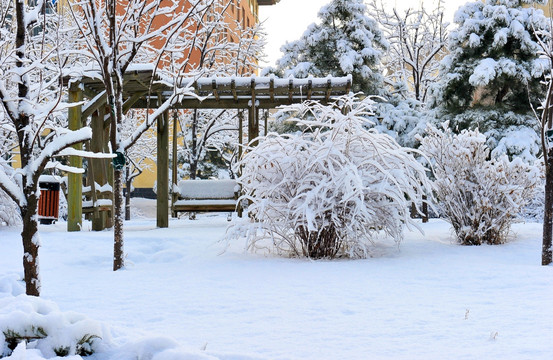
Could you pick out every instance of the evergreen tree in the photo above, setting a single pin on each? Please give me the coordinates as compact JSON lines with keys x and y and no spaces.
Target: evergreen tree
{"x":491,"y":77}
{"x":345,"y":42}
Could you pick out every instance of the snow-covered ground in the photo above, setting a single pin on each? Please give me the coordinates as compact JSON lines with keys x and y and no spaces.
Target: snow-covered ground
{"x":429,"y":299}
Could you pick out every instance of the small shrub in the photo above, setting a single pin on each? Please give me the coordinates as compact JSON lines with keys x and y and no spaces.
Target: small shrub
{"x":480,"y":196}
{"x":40,"y":325}
{"x":329,"y":189}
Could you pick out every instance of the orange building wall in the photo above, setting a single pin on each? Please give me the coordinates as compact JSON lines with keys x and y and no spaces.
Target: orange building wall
{"x":243,"y":13}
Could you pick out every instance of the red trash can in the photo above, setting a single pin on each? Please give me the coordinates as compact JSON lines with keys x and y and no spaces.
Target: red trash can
{"x":49,"y":201}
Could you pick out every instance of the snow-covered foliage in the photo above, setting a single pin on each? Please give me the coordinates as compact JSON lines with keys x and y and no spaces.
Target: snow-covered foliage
{"x":418,"y":39}
{"x":346,"y":41}
{"x":493,"y":56}
{"x":36,"y":329}
{"x":478,"y":196}
{"x":30,"y":323}
{"x":492,"y":75}
{"x":507,"y":133}
{"x":403,"y":119}
{"x":329,"y":190}
{"x":9,"y":213}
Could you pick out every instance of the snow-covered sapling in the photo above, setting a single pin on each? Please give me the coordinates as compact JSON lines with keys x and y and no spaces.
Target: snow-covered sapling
{"x":328,"y":190}
{"x":479,"y":196}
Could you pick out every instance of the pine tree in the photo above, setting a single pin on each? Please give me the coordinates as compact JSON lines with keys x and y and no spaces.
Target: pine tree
{"x":346,"y":41}
{"x":491,"y":77}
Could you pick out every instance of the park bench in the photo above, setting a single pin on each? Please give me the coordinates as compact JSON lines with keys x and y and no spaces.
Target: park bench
{"x":206,"y":196}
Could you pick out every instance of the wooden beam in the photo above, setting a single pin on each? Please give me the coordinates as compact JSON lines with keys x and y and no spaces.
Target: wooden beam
{"x":75,"y":181}
{"x":128,"y":104}
{"x":309,"y":89}
{"x":93,"y":105}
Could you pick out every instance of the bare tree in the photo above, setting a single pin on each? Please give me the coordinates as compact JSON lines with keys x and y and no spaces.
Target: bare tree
{"x":117,"y":34}
{"x":140,"y":156}
{"x":224,"y":47}
{"x":31,"y":98}
{"x":418,"y":39}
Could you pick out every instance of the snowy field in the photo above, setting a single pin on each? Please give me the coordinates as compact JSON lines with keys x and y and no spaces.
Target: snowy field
{"x":429,"y":299}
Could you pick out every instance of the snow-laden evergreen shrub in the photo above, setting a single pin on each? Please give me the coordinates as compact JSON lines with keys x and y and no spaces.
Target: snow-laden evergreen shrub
{"x":480,"y":196}
{"x":329,"y":190}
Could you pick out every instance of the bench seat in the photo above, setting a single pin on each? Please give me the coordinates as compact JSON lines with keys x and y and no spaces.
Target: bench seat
{"x":206,"y":196}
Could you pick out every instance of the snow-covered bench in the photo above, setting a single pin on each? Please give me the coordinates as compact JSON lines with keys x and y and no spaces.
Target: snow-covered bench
{"x":206,"y":196}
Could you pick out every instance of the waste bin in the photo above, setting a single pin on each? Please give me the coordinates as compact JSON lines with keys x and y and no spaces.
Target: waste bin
{"x":49,"y":201}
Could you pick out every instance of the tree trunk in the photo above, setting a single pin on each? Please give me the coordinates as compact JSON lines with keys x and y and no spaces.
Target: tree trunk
{"x":118,"y":252}
{"x":546,"y":254}
{"x":31,"y":243}
{"x":29,"y":234}
{"x":128,"y":182}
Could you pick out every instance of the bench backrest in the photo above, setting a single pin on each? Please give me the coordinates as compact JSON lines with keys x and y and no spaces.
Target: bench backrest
{"x":207,"y":189}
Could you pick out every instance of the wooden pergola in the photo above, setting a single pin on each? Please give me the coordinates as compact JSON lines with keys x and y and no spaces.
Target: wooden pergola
{"x":143,"y":89}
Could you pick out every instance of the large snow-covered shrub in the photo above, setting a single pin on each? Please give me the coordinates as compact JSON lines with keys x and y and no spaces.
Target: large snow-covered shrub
{"x":328,"y":190}
{"x":479,"y":196}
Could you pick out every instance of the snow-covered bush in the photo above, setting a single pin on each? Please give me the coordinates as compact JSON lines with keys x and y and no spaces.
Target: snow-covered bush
{"x":327,"y":191}
{"x":479,"y":196}
{"x":35,"y":323}
{"x":403,"y":119}
{"x":9,"y":213}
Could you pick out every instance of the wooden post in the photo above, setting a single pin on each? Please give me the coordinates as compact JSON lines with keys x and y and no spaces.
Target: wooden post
{"x":253,"y":123}
{"x":253,"y":115}
{"x":174,"y":196}
{"x":240,"y":133}
{"x":162,"y":170}
{"x":108,"y":164}
{"x":98,"y":172}
{"x":75,"y":181}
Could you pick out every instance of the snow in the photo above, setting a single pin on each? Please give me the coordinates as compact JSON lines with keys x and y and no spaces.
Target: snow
{"x":202,"y":189}
{"x":49,"y":179}
{"x":182,"y":296}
